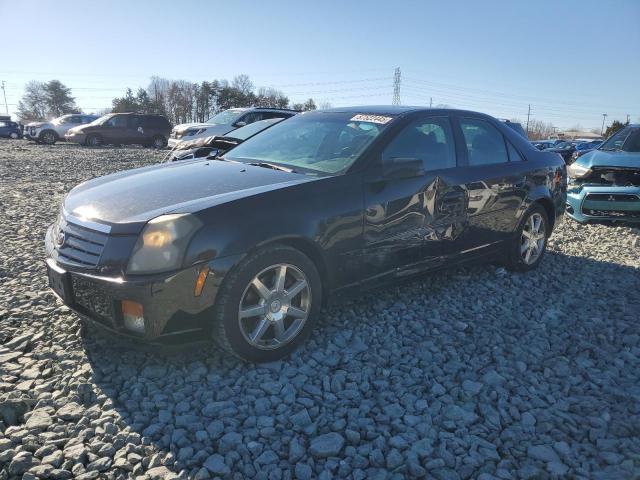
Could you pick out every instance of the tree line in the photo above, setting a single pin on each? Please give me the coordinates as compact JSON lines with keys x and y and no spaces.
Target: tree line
{"x":181,"y":101}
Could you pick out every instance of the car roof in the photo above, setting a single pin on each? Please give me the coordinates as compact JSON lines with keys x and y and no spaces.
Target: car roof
{"x":398,"y":110}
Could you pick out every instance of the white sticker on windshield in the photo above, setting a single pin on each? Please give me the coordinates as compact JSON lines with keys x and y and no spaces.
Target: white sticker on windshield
{"x":363,"y":117}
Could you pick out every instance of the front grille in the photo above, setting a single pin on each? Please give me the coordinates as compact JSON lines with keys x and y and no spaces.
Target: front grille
{"x":612,"y":197}
{"x":82,"y":246}
{"x":93,"y":299}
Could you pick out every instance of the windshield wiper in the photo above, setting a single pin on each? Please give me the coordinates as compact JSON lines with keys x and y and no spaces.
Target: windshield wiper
{"x":273,"y":166}
{"x":614,"y":149}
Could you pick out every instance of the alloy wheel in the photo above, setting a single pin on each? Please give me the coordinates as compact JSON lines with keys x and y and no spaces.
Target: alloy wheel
{"x":274,"y":307}
{"x":48,"y":138}
{"x":532,"y":239}
{"x":14,"y":135}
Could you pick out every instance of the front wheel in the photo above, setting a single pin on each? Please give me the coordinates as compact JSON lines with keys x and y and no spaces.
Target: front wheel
{"x":93,"y":141}
{"x":48,"y":137}
{"x":529,"y":240}
{"x":268,"y":304}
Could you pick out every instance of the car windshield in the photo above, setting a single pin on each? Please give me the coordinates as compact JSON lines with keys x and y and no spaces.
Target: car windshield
{"x":102,"y":119}
{"x":327,"y":142}
{"x":227,"y":117}
{"x":247,"y":131}
{"x":60,"y":120}
{"x":627,"y":140}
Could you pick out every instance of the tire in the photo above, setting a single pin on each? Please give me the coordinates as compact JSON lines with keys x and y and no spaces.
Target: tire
{"x":529,"y":241}
{"x":48,"y":137}
{"x":275,"y":313}
{"x":158,"y":142}
{"x":93,"y":141}
{"x":14,"y":135}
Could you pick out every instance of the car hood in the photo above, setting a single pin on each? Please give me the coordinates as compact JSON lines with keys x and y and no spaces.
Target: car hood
{"x":603,"y":158}
{"x":37,"y":124}
{"x":131,"y":198}
{"x":212,"y":128}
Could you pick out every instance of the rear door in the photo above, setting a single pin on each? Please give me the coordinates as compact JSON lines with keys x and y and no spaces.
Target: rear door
{"x":114,"y":130}
{"x":138,"y":130}
{"x":410,"y":221}
{"x":494,"y":174}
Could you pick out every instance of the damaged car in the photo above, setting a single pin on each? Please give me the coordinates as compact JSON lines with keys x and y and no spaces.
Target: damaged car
{"x":213,"y":146}
{"x":604,"y":184}
{"x":246,"y":248}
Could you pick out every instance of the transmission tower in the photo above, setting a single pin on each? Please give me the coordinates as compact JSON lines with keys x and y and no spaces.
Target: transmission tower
{"x":396,"y":87}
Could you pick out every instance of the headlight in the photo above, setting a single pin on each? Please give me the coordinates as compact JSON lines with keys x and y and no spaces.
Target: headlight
{"x":578,"y":171}
{"x":162,"y":244}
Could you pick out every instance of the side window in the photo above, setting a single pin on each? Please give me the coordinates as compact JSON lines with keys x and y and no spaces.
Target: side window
{"x":485,"y":143}
{"x":514,"y":155}
{"x":76,"y":120}
{"x":135,"y":121}
{"x":430,"y":140}
{"x":251,"y":117}
{"x":119,"y":121}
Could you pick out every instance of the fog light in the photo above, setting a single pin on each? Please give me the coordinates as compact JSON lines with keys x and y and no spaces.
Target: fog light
{"x":133,"y":315}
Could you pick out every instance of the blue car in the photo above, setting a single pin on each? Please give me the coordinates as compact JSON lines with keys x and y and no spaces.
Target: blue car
{"x":10,"y":129}
{"x":604,"y":184}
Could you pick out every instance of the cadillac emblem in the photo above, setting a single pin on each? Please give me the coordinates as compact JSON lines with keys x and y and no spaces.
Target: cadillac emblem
{"x":612,"y":198}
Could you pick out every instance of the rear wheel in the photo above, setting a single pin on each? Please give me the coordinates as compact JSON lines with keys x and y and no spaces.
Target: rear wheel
{"x":93,"y":141}
{"x":48,"y":137}
{"x":268,"y":304}
{"x":158,"y":142}
{"x":529,"y":241}
{"x":14,"y":135}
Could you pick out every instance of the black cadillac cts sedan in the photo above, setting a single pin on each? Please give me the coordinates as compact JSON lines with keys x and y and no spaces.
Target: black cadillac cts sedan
{"x":244,"y":249}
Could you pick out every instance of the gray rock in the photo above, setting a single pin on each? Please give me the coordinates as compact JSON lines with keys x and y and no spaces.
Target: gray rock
{"x":70,"y":412}
{"x":544,"y":453}
{"x":229,"y":441}
{"x":303,"y":471}
{"x":215,"y":464}
{"x":327,"y":445}
{"x":39,"y":420}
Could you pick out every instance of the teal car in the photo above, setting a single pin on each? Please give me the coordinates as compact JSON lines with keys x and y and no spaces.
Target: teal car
{"x":604,"y":184}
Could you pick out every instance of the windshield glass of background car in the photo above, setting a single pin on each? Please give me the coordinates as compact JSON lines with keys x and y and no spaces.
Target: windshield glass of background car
{"x":324,"y":142}
{"x":227,"y":117}
{"x":247,"y":131}
{"x":617,"y":140}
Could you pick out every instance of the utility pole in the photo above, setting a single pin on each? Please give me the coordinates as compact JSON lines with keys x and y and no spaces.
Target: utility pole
{"x":430,"y":102}
{"x":396,"y":87}
{"x":604,"y":117}
{"x":528,"y":115}
{"x":4,"y":92}
{"x":628,"y":118}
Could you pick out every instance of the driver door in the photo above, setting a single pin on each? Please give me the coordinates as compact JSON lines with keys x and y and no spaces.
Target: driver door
{"x":413,"y":214}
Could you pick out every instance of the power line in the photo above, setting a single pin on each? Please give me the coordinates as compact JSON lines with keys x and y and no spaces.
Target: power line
{"x":4,"y":92}
{"x":396,"y":87}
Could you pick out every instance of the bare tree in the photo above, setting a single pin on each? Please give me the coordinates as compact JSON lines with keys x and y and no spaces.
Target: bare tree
{"x":243,"y":84}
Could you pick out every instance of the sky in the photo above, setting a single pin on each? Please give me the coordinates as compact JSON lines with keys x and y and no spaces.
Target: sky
{"x":570,"y":60}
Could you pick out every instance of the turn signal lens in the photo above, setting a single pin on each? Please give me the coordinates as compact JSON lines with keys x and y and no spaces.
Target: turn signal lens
{"x":202,"y":278}
{"x":133,"y":316}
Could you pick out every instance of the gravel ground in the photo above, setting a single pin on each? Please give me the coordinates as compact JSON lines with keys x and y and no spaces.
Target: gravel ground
{"x":471,"y":373}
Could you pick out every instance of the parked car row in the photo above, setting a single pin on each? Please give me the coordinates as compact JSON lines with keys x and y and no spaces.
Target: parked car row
{"x":570,"y":150}
{"x":141,"y":129}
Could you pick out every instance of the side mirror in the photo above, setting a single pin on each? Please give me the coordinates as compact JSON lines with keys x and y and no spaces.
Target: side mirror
{"x":239,"y":124}
{"x":402,"y":168}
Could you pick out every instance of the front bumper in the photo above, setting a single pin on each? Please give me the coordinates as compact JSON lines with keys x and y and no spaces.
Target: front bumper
{"x":75,"y":137}
{"x":594,"y":203}
{"x":172,"y":313}
{"x":31,"y":133}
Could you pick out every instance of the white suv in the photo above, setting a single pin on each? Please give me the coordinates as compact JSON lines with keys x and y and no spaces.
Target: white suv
{"x":224,"y":122}
{"x":51,"y":132}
